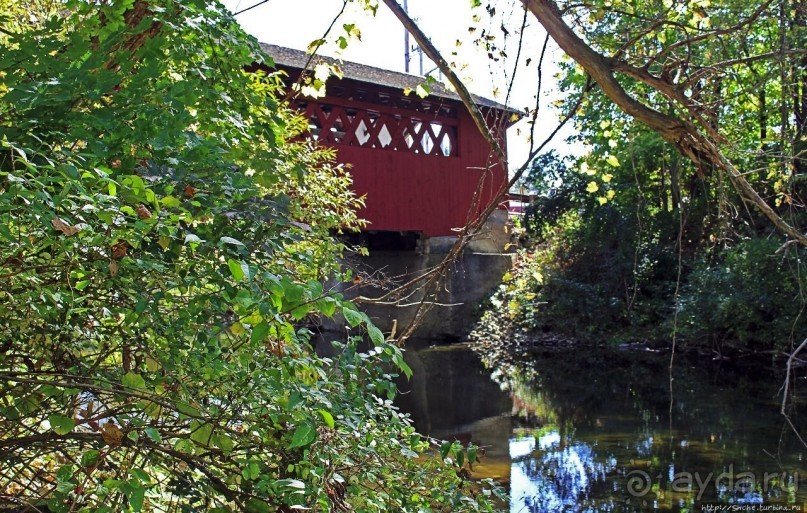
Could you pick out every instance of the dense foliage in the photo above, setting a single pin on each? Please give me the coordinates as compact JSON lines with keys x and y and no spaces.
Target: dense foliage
{"x":166,"y":234}
{"x":633,"y":232}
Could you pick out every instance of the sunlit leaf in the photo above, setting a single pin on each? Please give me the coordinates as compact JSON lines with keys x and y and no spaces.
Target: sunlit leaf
{"x":133,"y":380}
{"x":236,"y":269}
{"x":327,"y":418}
{"x":60,"y":424}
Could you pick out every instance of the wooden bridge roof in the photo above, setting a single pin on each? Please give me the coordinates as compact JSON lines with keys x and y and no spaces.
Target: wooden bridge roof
{"x":369,"y":74}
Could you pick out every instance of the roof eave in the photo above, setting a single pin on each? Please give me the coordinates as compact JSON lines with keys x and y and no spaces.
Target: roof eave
{"x":298,"y":59}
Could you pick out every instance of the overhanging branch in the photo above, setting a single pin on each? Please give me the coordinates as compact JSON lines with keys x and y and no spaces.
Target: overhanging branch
{"x":684,"y":135}
{"x":429,"y":49}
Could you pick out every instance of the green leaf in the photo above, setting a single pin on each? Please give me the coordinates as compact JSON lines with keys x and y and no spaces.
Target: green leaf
{"x":187,"y":409}
{"x":89,"y":458}
{"x":141,"y":475}
{"x":445,"y":448}
{"x":61,"y":424}
{"x":295,"y":398}
{"x":422,"y":90}
{"x":612,"y":160}
{"x":170,"y":202}
{"x":201,"y":432}
{"x":230,"y":240}
{"x":328,"y":418}
{"x":314,"y":289}
{"x":132,"y":380}
{"x":353,"y":317}
{"x":153,"y":434}
{"x":251,"y":471}
{"x":135,"y":495}
{"x":303,"y":435}
{"x":375,"y":335}
{"x":113,"y":484}
{"x":65,"y":473}
{"x":238,"y":269}
{"x":223,"y":442}
{"x":292,"y":292}
{"x":326,"y":306}
{"x":235,"y":269}
{"x":301,"y":311}
{"x":405,"y":368}
{"x":472,"y":453}
{"x":257,"y":506}
{"x":459,"y":455}
{"x":291,"y":484}
{"x":259,"y":331}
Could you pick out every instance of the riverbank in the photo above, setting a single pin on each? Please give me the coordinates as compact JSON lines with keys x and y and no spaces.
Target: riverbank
{"x":544,"y":302}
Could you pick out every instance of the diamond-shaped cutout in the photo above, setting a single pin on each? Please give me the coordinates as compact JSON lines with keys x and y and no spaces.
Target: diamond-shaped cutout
{"x":372,"y":129}
{"x":384,"y":137}
{"x":361,"y":134}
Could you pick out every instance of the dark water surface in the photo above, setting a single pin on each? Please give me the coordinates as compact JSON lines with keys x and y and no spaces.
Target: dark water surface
{"x":590,"y":429}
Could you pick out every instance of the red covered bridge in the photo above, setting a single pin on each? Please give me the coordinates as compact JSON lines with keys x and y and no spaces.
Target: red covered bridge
{"x":419,"y":161}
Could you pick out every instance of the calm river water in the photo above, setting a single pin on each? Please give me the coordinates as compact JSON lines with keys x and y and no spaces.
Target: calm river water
{"x":590,"y":429}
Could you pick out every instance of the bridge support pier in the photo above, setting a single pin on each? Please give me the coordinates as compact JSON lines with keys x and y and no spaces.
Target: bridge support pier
{"x":471,"y":280}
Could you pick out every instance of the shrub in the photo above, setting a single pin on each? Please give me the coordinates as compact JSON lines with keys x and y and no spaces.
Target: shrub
{"x":165,"y":233}
{"x":751,"y":296}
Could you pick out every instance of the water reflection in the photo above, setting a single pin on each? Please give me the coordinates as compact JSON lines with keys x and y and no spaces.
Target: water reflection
{"x":553,"y":478}
{"x":591,"y":431}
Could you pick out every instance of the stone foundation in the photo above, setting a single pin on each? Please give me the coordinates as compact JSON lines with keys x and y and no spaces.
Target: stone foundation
{"x":471,"y":280}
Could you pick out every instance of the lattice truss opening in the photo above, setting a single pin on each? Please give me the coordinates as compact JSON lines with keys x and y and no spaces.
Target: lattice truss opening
{"x":334,"y":124}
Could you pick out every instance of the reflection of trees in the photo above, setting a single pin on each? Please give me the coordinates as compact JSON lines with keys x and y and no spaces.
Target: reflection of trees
{"x":560,"y":477}
{"x":611,"y":412}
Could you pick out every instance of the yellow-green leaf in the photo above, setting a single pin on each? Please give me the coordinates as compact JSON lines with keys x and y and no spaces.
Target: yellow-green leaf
{"x":201,"y":432}
{"x":236,"y":269}
{"x":328,"y":418}
{"x":223,"y":442}
{"x":132,"y":380}
{"x":60,"y":424}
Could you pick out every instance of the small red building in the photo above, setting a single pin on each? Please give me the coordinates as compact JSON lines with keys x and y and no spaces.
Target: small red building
{"x":418,"y":161}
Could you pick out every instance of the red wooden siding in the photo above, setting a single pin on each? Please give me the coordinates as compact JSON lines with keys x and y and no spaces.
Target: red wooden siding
{"x":431,"y":194}
{"x":418,"y":162}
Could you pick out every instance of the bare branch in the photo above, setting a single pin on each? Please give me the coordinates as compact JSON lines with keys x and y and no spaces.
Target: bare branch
{"x":425,"y":43}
